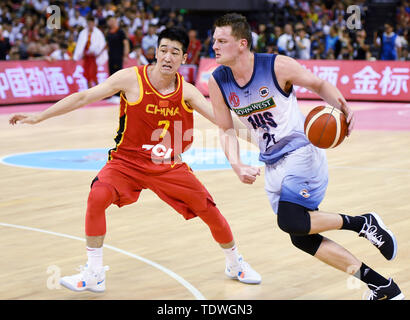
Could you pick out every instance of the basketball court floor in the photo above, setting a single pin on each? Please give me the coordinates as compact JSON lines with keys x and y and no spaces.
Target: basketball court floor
{"x":153,"y":253}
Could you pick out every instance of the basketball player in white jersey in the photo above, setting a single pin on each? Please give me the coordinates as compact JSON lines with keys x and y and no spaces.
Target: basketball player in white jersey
{"x":258,"y":88}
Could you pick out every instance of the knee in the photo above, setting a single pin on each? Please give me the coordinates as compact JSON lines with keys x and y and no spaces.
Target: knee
{"x":100,"y":196}
{"x":99,"y":199}
{"x":293,"y":218}
{"x":308,"y":243}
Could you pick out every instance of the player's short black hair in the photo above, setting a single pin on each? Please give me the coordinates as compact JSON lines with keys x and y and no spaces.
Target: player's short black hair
{"x":175,"y":34}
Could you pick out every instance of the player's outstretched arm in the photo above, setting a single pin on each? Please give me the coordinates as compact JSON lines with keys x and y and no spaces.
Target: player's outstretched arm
{"x":229,"y":141}
{"x":77,"y":100}
{"x":289,"y":70}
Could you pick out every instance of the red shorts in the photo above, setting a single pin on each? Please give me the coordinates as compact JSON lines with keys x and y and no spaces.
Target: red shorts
{"x":90,"y":68}
{"x":175,"y":184}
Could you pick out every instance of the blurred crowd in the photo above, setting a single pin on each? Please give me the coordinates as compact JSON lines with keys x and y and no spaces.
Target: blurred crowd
{"x":321,"y":30}
{"x":300,"y":29}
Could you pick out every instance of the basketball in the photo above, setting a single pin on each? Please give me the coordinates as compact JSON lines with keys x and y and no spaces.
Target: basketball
{"x":325,"y":127}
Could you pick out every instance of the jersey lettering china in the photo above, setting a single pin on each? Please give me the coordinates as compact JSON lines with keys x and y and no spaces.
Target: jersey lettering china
{"x":157,"y":127}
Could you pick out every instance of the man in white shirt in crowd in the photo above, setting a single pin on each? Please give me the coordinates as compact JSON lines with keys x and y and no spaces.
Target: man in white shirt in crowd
{"x":91,"y":48}
{"x":150,"y":39}
{"x":286,"y":44}
{"x":302,"y":43}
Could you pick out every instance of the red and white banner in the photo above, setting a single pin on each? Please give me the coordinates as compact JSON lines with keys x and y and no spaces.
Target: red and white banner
{"x":42,"y":81}
{"x":357,"y":80}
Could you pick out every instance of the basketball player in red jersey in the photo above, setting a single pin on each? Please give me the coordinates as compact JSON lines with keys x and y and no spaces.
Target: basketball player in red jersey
{"x":156,"y":122}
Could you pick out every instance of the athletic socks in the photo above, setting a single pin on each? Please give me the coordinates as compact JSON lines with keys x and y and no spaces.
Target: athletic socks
{"x":95,"y":258}
{"x":232,"y":255}
{"x":369,"y":276}
{"x":353,"y":223}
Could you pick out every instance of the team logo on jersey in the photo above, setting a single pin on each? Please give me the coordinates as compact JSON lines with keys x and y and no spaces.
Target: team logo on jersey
{"x":263,"y":92}
{"x":234,"y":99}
{"x":304,"y":193}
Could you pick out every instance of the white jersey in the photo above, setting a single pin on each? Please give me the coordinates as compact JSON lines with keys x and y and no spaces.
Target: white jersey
{"x":268,"y":111}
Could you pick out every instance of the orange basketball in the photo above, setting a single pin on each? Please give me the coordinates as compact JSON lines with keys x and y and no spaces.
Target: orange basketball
{"x":325,"y":127}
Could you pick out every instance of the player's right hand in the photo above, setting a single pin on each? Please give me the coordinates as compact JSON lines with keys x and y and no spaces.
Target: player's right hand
{"x":247,"y":174}
{"x":22,"y":118}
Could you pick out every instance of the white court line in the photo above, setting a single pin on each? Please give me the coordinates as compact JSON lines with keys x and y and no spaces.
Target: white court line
{"x":196,"y":293}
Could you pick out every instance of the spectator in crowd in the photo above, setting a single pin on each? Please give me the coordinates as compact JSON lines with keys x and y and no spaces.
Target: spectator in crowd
{"x":136,"y":37}
{"x":59,"y":52}
{"x":77,"y":20}
{"x":85,"y":8}
{"x":332,"y":43}
{"x":137,"y":22}
{"x":389,"y":43}
{"x":150,"y":55}
{"x":318,"y":45}
{"x":208,"y":51}
{"x":361,"y":50}
{"x":265,"y":38}
{"x":302,"y":42}
{"x":90,"y":47}
{"x":346,"y":49}
{"x":277,"y":31}
{"x":194,"y":48}
{"x":4,"y":45}
{"x":286,"y":44}
{"x":117,"y":44}
{"x":40,"y":5}
{"x":150,"y":39}
{"x":18,"y":51}
{"x":118,"y":49}
{"x":24,"y":22}
{"x":138,"y":55}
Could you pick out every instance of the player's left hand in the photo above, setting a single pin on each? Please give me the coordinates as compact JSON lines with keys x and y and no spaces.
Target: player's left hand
{"x":22,"y":118}
{"x":349,"y":114}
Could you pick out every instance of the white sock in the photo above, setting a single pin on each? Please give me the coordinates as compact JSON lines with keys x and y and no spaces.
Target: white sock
{"x":95,"y":258}
{"x":232,"y":255}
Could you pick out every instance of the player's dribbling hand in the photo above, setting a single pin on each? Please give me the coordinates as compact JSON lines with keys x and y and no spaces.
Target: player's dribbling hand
{"x":350,"y":118}
{"x":247,"y":174}
{"x":22,"y":118}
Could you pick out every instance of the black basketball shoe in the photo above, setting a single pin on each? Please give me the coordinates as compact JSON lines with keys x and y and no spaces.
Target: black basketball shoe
{"x":391,"y":291}
{"x":376,"y":232}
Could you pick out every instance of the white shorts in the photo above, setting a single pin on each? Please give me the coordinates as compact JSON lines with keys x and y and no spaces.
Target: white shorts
{"x":300,"y":177}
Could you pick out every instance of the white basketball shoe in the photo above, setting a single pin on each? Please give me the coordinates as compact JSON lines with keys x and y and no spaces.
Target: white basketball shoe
{"x":87,"y":279}
{"x":243,"y":272}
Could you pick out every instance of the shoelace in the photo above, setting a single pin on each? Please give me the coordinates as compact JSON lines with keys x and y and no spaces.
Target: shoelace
{"x":370,"y":294}
{"x":371,"y":235}
{"x":241,"y":266}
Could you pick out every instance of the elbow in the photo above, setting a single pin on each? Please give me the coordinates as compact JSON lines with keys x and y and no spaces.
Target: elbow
{"x":80,"y":97}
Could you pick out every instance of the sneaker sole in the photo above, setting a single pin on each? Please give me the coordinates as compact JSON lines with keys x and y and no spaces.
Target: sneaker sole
{"x":72,"y":288}
{"x":398,"y":297}
{"x":383,"y":226}
{"x":241,"y":280}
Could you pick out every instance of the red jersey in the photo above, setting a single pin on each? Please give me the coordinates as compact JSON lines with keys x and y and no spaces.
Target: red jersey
{"x":156,"y":127}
